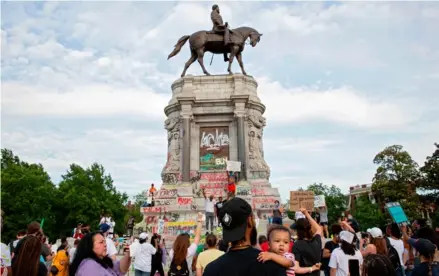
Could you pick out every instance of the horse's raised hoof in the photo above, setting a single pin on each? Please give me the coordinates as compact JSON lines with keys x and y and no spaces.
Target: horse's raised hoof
{"x":226,"y":59}
{"x":244,"y":73}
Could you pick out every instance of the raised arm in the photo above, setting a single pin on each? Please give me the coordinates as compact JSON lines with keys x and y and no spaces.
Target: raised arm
{"x":198,"y":229}
{"x":315,"y":227}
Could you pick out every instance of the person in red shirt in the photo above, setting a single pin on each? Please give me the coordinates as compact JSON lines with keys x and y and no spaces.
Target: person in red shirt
{"x":231,"y":186}
{"x":78,"y":234}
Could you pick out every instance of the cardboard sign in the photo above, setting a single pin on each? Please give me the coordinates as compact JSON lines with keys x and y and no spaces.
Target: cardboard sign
{"x":233,"y":166}
{"x":319,"y":201}
{"x":301,"y":199}
{"x":397,"y":213}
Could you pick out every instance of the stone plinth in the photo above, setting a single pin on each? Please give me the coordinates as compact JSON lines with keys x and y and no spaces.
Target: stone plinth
{"x":211,"y":119}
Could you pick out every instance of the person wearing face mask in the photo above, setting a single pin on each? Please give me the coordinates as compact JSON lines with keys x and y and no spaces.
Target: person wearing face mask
{"x":239,"y":230}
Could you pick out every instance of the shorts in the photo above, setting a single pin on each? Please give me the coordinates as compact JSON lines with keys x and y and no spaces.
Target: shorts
{"x":231,"y":188}
{"x":323,"y":223}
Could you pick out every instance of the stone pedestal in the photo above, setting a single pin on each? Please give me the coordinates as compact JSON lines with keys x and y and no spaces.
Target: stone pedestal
{"x":210,"y":119}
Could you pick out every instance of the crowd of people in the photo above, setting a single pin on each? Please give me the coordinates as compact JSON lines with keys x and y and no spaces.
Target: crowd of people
{"x":307,"y":247}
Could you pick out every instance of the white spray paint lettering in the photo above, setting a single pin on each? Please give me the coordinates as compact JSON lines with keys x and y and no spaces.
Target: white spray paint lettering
{"x":214,"y":142}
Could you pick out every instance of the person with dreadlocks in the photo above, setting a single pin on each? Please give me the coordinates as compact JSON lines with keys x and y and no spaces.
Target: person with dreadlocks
{"x":426,"y":250}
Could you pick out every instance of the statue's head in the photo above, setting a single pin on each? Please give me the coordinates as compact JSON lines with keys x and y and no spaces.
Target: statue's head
{"x":215,"y":8}
{"x":255,"y":37}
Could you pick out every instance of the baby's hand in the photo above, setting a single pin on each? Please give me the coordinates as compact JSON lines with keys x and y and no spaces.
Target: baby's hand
{"x":316,"y":266}
{"x":265,"y":256}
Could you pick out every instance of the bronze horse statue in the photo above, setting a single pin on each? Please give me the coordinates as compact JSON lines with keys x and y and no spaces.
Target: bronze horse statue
{"x":209,"y":41}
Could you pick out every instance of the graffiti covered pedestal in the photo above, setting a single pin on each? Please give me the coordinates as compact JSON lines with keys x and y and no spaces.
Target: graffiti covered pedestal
{"x":210,"y":119}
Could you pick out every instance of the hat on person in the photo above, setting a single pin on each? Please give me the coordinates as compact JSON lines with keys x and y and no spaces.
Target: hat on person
{"x":104,"y":227}
{"x":233,"y":216}
{"x":143,"y":236}
{"x":375,"y":232}
{"x":347,"y":236}
{"x":423,"y":246}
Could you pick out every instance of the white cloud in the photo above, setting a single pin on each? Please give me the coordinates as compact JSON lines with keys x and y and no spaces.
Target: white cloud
{"x":82,"y":101}
{"x":337,"y":80}
{"x":342,"y":105}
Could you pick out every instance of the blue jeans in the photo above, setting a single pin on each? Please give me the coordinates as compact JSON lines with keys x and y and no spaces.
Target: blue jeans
{"x":141,"y":273}
{"x":277,"y":221}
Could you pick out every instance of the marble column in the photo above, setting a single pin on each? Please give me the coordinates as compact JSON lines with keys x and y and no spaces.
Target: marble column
{"x":186,"y":116}
{"x":240,"y":113}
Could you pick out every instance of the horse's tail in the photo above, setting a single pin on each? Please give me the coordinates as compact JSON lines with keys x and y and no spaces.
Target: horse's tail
{"x":178,"y":46}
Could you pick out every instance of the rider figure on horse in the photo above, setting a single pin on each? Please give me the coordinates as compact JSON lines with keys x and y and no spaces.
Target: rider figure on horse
{"x":219,"y":27}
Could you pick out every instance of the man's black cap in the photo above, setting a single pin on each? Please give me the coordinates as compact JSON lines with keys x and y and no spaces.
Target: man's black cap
{"x":234,"y":215}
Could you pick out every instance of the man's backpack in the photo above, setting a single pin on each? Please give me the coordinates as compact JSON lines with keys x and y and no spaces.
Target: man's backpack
{"x":393,"y":256}
{"x":179,"y":270}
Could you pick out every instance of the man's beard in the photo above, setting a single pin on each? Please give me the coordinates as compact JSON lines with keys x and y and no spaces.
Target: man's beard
{"x":254,"y":237}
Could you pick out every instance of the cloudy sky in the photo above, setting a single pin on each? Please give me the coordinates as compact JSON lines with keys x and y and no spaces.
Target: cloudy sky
{"x":87,"y":82}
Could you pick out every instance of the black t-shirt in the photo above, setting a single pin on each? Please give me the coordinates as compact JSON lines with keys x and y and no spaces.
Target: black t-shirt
{"x":308,"y":253}
{"x":330,"y":245}
{"x":219,"y":205}
{"x":42,"y":269}
{"x":422,"y":270}
{"x":243,"y":263}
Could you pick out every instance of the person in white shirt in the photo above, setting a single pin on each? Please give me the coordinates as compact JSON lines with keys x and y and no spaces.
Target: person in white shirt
{"x":72,"y":250}
{"x":340,"y":257}
{"x":133,"y":247}
{"x":144,"y":252}
{"x":209,"y":208}
{"x":396,"y":242}
{"x":111,"y":248}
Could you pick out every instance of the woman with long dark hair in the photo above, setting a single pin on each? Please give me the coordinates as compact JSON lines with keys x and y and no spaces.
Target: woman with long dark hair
{"x":26,"y":260}
{"x":157,"y":258}
{"x":307,"y":249}
{"x":375,"y":264}
{"x":91,"y":258}
{"x":344,"y":255}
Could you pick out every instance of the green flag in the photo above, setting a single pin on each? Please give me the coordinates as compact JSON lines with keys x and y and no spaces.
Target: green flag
{"x":42,"y":223}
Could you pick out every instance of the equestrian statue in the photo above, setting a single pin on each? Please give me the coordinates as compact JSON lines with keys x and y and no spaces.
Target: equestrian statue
{"x":220,"y":40}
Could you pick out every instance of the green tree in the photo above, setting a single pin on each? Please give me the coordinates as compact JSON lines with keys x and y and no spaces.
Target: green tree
{"x":368,"y":214}
{"x":335,"y":200}
{"x":429,"y":182}
{"x":85,"y":194}
{"x":27,"y":194}
{"x":396,"y":178}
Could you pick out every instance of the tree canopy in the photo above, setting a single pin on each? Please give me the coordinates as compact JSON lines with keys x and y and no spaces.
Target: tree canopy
{"x":396,"y":178}
{"x":28,"y":194}
{"x":335,"y":200}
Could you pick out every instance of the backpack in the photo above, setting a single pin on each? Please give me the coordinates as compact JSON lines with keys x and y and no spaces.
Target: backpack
{"x":178,"y":270}
{"x":393,"y":256}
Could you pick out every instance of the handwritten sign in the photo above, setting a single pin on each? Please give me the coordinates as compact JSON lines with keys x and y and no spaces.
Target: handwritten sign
{"x":233,"y":166}
{"x":319,"y":201}
{"x":301,"y":199}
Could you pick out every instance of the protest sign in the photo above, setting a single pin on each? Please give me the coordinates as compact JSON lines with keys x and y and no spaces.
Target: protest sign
{"x":301,"y":199}
{"x":397,"y":213}
{"x":319,"y":201}
{"x":233,"y":166}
